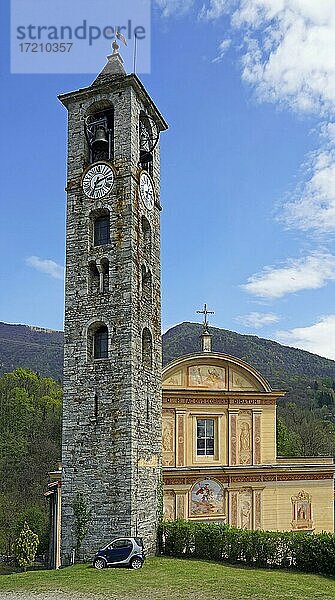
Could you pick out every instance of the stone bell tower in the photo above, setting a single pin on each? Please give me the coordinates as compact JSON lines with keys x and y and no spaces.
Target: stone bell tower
{"x":111,"y":449}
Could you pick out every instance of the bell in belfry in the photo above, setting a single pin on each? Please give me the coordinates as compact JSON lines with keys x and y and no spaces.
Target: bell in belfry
{"x":100,"y":141}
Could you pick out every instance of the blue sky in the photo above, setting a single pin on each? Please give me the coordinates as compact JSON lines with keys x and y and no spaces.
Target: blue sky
{"x":248,"y":170}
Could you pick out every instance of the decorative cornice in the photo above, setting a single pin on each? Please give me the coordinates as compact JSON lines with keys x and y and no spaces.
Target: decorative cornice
{"x":189,"y":479}
{"x":221,"y":401}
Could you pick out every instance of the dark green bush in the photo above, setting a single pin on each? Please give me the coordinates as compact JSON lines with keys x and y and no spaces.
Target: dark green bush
{"x":266,"y":549}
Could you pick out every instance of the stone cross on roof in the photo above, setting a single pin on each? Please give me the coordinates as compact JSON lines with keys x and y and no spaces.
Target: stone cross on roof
{"x":206,"y":336}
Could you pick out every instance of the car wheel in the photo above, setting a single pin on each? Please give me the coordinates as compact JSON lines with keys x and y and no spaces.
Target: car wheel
{"x":136,"y":563}
{"x":99,"y":563}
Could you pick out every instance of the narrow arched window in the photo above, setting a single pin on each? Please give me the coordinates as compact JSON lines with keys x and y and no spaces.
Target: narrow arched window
{"x":105,"y":275}
{"x":146,"y":283}
{"x":102,"y":231}
{"x":146,"y":349}
{"x":100,"y":343}
{"x":146,"y":236}
{"x":94,"y":277}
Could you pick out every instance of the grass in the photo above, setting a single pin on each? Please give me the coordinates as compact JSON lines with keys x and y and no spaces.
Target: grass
{"x":175,"y":579}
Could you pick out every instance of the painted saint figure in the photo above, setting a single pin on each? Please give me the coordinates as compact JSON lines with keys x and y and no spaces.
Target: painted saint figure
{"x":245,"y":437}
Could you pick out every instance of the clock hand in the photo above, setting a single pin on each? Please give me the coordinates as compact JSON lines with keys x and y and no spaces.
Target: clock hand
{"x":103,"y":178}
{"x":99,"y":180}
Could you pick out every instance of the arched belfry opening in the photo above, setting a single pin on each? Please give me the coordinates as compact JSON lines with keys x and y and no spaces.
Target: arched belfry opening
{"x":148,"y":140}
{"x":99,"y":131}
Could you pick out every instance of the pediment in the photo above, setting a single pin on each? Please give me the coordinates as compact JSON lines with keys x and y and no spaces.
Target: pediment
{"x":213,"y":371}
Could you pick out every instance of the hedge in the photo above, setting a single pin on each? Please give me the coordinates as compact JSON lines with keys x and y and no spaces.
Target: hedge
{"x":313,"y":553}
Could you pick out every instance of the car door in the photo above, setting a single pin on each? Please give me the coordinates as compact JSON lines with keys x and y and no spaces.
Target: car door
{"x":120,"y":550}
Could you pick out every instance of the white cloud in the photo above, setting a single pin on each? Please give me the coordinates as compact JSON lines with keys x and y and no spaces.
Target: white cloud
{"x":223,"y":47}
{"x":45,"y":266}
{"x":311,"y":272}
{"x":313,"y":204}
{"x":215,"y":9}
{"x":257,"y":319}
{"x":289,"y":52}
{"x":173,"y":7}
{"x":318,"y":338}
{"x":288,"y":48}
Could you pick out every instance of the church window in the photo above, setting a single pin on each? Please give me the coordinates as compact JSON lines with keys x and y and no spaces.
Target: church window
{"x":99,"y":130}
{"x":146,"y":236}
{"x":146,"y":283}
{"x":101,"y":343}
{"x":102,"y":231}
{"x":146,"y":348}
{"x":205,"y":437}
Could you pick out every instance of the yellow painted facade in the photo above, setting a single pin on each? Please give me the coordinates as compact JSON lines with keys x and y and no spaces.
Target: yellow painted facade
{"x":219,"y":452}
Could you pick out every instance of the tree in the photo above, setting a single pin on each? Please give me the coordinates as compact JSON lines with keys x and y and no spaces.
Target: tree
{"x":317,"y":436}
{"x":82,"y":515}
{"x":25,"y":547}
{"x":325,"y":397}
{"x":288,"y":442}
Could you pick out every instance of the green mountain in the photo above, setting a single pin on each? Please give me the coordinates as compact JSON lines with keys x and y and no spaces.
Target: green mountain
{"x":284,"y":367}
{"x":41,"y":350}
{"x":33,"y":348}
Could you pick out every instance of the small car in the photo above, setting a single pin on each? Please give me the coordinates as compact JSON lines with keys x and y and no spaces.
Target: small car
{"x":125,"y":551}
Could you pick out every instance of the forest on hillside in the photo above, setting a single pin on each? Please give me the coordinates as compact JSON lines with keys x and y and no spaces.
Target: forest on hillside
{"x":30,"y":443}
{"x":308,"y":428}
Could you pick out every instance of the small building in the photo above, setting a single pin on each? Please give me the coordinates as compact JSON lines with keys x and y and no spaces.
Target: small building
{"x":219,"y":451}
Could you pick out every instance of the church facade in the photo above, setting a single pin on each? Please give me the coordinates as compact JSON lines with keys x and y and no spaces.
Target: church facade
{"x":219,"y":451}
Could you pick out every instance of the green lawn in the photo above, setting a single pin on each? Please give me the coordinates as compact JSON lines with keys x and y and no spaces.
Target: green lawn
{"x":176,"y":579}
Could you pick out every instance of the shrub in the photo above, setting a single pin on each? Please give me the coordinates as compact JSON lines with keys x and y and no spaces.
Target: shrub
{"x":25,"y":547}
{"x":283,"y":550}
{"x":82,"y":515}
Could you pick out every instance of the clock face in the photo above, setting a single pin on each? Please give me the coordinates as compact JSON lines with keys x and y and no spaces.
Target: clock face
{"x":147,"y":191}
{"x":98,"y":180}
